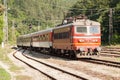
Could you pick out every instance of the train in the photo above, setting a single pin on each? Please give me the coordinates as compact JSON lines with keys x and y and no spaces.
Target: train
{"x":75,"y":37}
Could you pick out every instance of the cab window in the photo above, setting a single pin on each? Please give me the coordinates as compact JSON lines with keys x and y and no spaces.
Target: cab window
{"x":94,"y":29}
{"x":81,"y":29}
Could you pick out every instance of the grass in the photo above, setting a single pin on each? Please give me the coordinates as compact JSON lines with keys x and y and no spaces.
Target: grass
{"x":4,"y":75}
{"x":5,"y":59}
{"x":3,"y":54}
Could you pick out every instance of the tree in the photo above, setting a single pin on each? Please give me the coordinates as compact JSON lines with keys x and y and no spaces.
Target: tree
{"x":1,"y":22}
{"x":1,"y":9}
{"x":98,"y":10}
{"x":43,"y":13}
{"x":1,"y":28}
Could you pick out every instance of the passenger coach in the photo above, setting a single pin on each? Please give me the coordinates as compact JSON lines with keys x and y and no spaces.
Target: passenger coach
{"x":42,"y":40}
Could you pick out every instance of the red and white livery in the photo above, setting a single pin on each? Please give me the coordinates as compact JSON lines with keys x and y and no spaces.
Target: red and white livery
{"x":76,"y":37}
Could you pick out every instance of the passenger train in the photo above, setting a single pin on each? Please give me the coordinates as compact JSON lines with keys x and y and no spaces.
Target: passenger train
{"x":75,"y":37}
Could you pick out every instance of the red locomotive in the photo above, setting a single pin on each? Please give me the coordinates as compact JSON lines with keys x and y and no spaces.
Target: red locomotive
{"x":74,"y":38}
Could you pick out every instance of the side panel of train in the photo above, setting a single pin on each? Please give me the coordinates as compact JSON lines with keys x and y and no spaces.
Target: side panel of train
{"x":24,"y":41}
{"x":62,"y":38}
{"x":42,"y":40}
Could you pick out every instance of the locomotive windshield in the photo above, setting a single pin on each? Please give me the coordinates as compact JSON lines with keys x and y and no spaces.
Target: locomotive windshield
{"x":94,"y":29}
{"x":81,"y":29}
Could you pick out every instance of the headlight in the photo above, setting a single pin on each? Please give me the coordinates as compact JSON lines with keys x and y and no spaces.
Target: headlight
{"x":81,"y":40}
{"x":98,"y":48}
{"x":81,"y":49}
{"x":95,"y":40}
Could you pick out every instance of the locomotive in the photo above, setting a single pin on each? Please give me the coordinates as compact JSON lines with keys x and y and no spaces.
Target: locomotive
{"x":76,"y":37}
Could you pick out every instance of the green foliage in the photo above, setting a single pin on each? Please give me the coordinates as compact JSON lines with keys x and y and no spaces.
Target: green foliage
{"x":99,"y":10}
{"x":1,"y":22}
{"x":116,"y":39}
{"x":1,"y":29}
{"x":4,"y":75}
{"x":42,"y":14}
{"x":1,"y":9}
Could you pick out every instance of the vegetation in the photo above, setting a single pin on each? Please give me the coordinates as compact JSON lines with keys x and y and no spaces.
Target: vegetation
{"x":38,"y":14}
{"x":1,"y":22}
{"x":99,"y":10}
{"x":4,"y":58}
{"x":4,"y":75}
{"x":1,"y":28}
{"x":42,"y":14}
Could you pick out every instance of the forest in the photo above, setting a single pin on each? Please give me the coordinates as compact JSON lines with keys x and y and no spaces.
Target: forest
{"x":26,"y":16}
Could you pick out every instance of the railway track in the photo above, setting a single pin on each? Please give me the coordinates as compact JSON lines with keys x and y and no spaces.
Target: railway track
{"x":96,"y":60}
{"x":100,"y":61}
{"x":110,"y":55}
{"x":30,"y":64}
{"x":110,"y":52}
{"x":113,"y":50}
{"x":51,"y":70}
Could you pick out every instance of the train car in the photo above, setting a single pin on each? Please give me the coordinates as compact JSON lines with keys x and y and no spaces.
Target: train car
{"x":80,"y":37}
{"x":24,"y":41}
{"x":19,"y":42}
{"x":42,"y":40}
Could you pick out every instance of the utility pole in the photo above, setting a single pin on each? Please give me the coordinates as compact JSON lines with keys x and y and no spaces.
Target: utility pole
{"x":110,"y":25}
{"x":5,"y":23}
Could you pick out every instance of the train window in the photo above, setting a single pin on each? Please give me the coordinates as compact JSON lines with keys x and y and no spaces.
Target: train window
{"x":43,"y":37}
{"x":62,"y":35}
{"x":47,"y":37}
{"x":56,"y":36}
{"x":81,"y":29}
{"x":65,"y":35}
{"x":36,"y":38}
{"x":40,"y":37}
{"x":94,"y":29}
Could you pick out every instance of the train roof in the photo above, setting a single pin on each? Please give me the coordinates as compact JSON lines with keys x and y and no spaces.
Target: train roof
{"x":86,"y":22}
{"x":35,"y":33}
{"x":81,"y":22}
{"x":42,"y":32}
{"x":26,"y":35}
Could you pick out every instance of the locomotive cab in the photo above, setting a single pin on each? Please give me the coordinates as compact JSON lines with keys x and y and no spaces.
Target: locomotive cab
{"x":86,"y":37}
{"x":77,"y":38}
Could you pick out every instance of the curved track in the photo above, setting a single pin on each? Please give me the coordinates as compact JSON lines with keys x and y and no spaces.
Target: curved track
{"x":31,"y":65}
{"x":78,"y":77}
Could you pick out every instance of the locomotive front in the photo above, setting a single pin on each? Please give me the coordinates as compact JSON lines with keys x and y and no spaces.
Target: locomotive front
{"x":86,"y":37}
